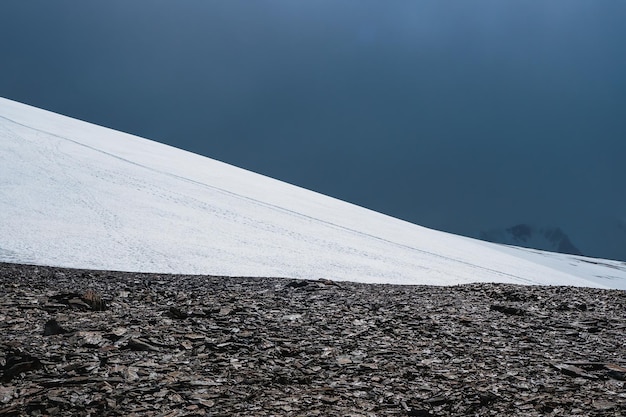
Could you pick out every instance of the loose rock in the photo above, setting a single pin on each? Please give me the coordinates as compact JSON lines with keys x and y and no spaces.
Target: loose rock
{"x":164,"y":345}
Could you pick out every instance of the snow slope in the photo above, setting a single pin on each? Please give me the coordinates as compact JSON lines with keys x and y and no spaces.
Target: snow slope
{"x":74,"y":194}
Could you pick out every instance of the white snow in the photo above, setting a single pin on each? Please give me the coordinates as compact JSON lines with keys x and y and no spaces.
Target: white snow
{"x":74,"y":194}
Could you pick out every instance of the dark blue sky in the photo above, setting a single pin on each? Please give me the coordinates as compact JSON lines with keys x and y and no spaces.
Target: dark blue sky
{"x":460,"y":116}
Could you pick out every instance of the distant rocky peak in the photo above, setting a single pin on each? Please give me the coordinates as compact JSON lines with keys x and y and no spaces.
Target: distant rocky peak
{"x":521,"y":232}
{"x":552,"y":239}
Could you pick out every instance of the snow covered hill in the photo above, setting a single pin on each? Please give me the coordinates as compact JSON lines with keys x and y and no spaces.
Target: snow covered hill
{"x":74,"y":194}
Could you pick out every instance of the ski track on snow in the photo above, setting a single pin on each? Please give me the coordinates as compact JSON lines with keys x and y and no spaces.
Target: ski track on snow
{"x":92,"y":203}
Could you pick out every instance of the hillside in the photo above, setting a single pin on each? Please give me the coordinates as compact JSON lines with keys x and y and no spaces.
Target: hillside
{"x":73,"y":194}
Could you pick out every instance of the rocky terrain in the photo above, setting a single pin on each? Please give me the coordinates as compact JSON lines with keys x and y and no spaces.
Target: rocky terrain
{"x":98,"y":343}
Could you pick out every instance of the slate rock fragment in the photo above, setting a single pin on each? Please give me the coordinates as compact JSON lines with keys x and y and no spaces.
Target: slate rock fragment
{"x":507,"y":309}
{"x":616,"y":371}
{"x":298,"y":283}
{"x":18,"y":362}
{"x":177,"y":313}
{"x":88,"y":300}
{"x":94,"y":300}
{"x":52,"y":327}
{"x":140,"y":344}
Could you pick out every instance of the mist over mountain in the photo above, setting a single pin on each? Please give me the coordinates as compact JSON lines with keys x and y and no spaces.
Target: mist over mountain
{"x":603,"y":237}
{"x":551,"y":239}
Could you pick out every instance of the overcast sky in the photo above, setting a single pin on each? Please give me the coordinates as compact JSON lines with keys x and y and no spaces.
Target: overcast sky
{"x":460,"y":116}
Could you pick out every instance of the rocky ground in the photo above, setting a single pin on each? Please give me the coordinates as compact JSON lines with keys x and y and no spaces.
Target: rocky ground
{"x":122,"y":344}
